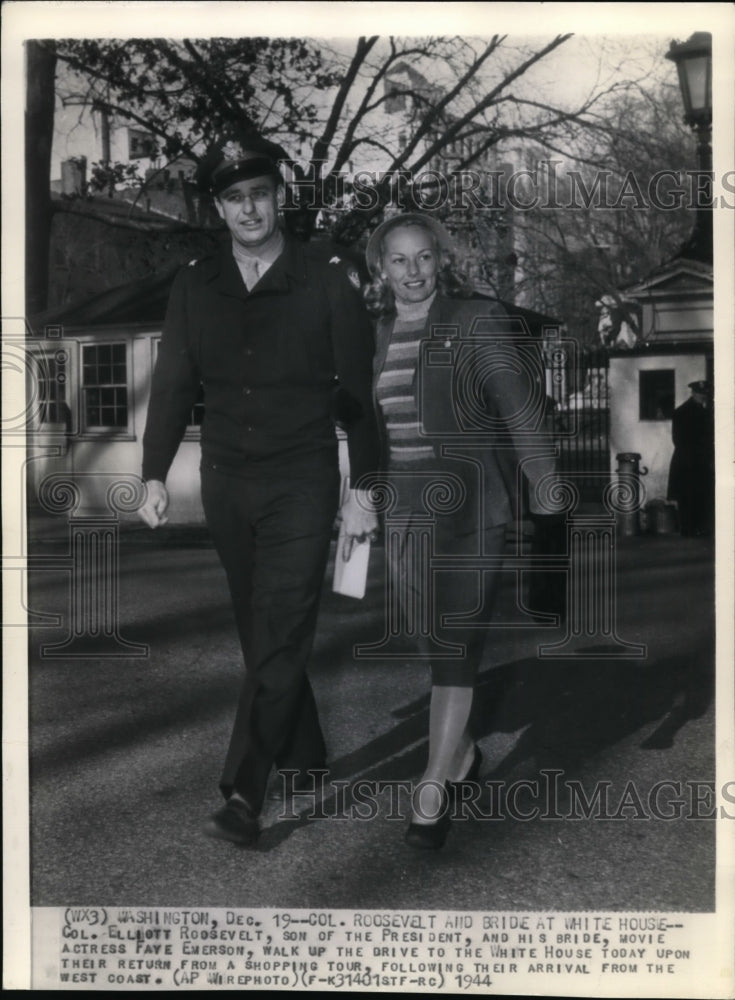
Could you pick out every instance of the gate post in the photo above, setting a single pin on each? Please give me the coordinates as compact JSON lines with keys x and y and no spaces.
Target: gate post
{"x":630,"y":470}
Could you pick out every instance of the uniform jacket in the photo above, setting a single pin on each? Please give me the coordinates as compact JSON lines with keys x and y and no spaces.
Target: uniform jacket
{"x":269,"y":361}
{"x":477,"y":383}
{"x":693,"y":461}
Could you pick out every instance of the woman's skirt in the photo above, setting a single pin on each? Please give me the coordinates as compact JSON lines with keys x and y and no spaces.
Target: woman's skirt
{"x":445,"y":566}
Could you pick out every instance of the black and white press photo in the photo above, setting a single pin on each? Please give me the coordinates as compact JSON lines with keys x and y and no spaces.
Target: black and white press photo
{"x":367,"y":498}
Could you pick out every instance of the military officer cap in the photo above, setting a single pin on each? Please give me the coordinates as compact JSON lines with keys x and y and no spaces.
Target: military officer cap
{"x":237,"y":159}
{"x":700,"y":386}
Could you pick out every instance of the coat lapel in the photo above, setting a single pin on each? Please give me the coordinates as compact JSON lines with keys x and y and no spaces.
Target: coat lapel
{"x":437,"y":313}
{"x":289,"y":267}
{"x":225,"y":275}
{"x":383,"y":330}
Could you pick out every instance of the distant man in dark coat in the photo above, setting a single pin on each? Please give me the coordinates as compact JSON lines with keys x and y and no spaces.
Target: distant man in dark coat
{"x":270,"y":331}
{"x":692,"y":470}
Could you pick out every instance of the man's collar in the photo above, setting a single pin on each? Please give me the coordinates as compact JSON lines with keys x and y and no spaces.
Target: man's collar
{"x":268,"y":253}
{"x":290,"y":266}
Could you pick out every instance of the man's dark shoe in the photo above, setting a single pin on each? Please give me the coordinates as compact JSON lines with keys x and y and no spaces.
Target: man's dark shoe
{"x":235,"y":822}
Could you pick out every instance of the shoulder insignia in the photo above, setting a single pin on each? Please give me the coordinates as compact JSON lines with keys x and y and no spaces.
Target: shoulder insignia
{"x":349,"y":270}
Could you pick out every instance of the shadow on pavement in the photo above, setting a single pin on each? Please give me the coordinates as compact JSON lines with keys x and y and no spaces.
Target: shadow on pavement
{"x":569,"y":711}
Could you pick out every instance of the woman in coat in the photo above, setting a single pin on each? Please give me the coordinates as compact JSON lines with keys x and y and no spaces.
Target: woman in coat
{"x":457,"y":400}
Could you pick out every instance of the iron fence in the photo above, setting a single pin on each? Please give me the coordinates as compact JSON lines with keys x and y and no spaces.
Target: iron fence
{"x":577,"y":387}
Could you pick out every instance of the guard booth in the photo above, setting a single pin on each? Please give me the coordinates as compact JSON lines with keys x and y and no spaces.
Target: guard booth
{"x":649,"y":380}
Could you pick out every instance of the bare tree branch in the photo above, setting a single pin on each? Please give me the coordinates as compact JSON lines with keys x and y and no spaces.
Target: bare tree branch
{"x":321,"y":146}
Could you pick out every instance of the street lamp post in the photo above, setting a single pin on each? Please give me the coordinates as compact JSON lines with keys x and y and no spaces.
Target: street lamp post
{"x":693,"y":60}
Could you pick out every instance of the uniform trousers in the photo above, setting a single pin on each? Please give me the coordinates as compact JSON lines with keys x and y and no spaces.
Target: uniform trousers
{"x":696,"y":498}
{"x":272,"y":534}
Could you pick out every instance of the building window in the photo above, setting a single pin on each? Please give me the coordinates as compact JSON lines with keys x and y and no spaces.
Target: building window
{"x":657,"y":393}
{"x":105,"y":385}
{"x":52,"y":387}
{"x":395,"y":99}
{"x":141,"y":144}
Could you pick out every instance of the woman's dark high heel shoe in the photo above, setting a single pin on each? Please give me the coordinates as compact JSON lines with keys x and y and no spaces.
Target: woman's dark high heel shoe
{"x":474,"y":768}
{"x":431,"y":836}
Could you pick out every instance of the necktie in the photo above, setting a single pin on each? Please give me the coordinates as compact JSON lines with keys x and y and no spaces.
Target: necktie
{"x":250,"y":270}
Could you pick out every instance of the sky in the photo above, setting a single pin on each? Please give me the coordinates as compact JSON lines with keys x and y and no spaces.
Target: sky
{"x":629,"y":34}
{"x":626,"y":26}
{"x":597,"y":61}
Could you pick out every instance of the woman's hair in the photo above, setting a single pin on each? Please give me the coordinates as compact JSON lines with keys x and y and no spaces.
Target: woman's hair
{"x":378,"y":294}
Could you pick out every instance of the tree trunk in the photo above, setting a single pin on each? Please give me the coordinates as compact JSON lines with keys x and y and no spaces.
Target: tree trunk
{"x":39,"y":122}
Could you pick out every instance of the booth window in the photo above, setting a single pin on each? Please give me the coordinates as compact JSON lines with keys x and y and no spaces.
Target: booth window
{"x":105,"y":385}
{"x":657,"y":392}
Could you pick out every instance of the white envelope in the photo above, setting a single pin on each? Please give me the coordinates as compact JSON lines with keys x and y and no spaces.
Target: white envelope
{"x":350,"y":574}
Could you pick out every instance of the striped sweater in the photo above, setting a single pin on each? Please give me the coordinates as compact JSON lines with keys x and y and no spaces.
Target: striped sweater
{"x":395,"y":393}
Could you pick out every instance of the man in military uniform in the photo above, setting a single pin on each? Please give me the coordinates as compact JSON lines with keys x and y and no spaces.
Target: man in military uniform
{"x":692,"y":470}
{"x":270,"y":331}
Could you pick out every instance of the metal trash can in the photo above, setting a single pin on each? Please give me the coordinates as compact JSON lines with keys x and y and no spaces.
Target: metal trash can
{"x":629,"y":521}
{"x":662,"y":518}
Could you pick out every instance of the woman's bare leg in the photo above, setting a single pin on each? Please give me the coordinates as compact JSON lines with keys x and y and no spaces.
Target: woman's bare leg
{"x":451,"y":749}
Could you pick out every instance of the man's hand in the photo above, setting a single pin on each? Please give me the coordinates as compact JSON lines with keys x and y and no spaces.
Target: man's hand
{"x":358,"y":517}
{"x":156,"y":502}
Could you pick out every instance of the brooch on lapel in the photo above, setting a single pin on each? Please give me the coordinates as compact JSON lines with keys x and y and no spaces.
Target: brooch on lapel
{"x":351,"y":273}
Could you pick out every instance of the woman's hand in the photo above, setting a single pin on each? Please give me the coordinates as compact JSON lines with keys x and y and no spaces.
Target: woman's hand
{"x":358,"y":517}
